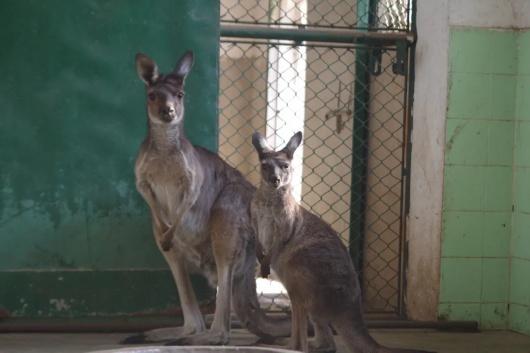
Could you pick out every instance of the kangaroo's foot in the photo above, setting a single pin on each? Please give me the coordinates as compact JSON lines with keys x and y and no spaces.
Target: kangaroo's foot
{"x":160,"y":335}
{"x":321,"y":347}
{"x":274,"y":341}
{"x":208,"y":338}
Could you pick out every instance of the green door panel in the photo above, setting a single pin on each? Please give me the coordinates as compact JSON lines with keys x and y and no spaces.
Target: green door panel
{"x":72,"y":117}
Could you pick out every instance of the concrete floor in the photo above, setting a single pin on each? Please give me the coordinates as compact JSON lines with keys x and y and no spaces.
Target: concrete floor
{"x":441,"y":342}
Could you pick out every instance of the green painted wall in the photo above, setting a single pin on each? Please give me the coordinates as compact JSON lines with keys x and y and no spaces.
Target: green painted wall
{"x":75,"y":236}
{"x":482,"y":132}
{"x":520,"y":245}
{"x":478,"y":177}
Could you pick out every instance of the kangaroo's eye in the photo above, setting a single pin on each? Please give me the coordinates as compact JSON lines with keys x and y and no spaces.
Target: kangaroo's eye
{"x":151,"y":96}
{"x":180,"y":94}
{"x":284,"y":166}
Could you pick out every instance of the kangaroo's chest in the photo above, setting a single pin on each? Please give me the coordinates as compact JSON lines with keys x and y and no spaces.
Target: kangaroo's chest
{"x":175,"y":186}
{"x":267,"y":222}
{"x":271,"y":225}
{"x":170,"y":183}
{"x":176,"y":190}
{"x":169,"y":194}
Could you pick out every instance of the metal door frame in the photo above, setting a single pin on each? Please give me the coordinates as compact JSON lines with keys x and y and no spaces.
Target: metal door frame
{"x":365,"y":40}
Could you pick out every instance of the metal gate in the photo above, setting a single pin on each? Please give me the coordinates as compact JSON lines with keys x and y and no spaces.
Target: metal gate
{"x":338,"y":70}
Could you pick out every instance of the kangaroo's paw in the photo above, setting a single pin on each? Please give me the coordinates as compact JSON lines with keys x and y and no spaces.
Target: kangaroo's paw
{"x":274,"y":341}
{"x":160,"y":335}
{"x":209,"y":338}
{"x":321,"y":347}
{"x":314,"y":348}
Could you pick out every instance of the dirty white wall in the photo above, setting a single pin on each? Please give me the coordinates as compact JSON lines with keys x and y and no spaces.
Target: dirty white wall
{"x":434,"y":19}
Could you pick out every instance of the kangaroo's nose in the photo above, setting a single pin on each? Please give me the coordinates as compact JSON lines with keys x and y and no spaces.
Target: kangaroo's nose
{"x":168,"y":110}
{"x":275,"y":181}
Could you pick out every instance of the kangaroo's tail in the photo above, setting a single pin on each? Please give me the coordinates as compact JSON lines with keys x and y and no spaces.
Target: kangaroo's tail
{"x":351,"y":327}
{"x":246,"y":305}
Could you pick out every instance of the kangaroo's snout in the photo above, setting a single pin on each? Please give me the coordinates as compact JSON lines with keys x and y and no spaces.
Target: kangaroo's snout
{"x":167,"y":110}
{"x":167,"y":113}
{"x":275,"y":181}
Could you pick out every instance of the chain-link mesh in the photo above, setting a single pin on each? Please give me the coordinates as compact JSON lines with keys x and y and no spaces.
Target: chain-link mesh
{"x":393,"y":15}
{"x":350,"y":105}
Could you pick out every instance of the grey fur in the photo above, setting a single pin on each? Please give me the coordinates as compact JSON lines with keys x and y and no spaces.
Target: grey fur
{"x":310,"y":260}
{"x":293,"y":144}
{"x":201,"y":219}
{"x":184,"y":65}
{"x":146,"y":69}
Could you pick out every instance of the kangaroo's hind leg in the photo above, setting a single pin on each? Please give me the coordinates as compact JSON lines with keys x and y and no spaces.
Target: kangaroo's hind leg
{"x":245,"y":300}
{"x":323,"y":341}
{"x":226,"y":247}
{"x":299,"y":327}
{"x":193,"y":319}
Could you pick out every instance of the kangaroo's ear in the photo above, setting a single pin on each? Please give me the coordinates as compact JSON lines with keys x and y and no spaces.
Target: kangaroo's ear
{"x":293,"y":144}
{"x":146,"y":68}
{"x":260,"y":144}
{"x":184,"y":64}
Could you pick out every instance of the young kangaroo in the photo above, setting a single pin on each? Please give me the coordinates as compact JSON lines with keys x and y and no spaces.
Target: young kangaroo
{"x":309,"y":258}
{"x":200,"y":208}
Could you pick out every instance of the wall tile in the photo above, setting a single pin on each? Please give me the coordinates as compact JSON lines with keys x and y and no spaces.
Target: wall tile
{"x":466,"y":141}
{"x":495,"y":280}
{"x":463,"y":188}
{"x":473,"y":188}
{"x":459,"y":311}
{"x":522,"y":144}
{"x":497,"y":188}
{"x":468,"y":51}
{"x":461,"y":280}
{"x":496,"y":230}
{"x":524,"y":52}
{"x":503,"y":96}
{"x":520,"y":243}
{"x":469,"y":96}
{"x":483,"y":51}
{"x":482,"y":96}
{"x":520,"y":318}
{"x":503,"y":52}
{"x":522,"y":104}
{"x":521,"y":236}
{"x":476,"y":234}
{"x":493,"y":315}
{"x":479,"y":142}
{"x":462,"y":233}
{"x":500,"y":142}
{"x":486,"y":246}
{"x":522,"y":189}
{"x":520,"y":281}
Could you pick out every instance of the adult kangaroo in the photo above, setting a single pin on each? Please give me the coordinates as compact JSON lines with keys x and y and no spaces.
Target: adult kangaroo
{"x":200,"y":209}
{"x":310,"y":260}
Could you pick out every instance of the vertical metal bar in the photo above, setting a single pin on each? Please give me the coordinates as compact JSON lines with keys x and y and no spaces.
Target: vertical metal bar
{"x":405,"y":176}
{"x":366,"y":16}
{"x":407,"y":154}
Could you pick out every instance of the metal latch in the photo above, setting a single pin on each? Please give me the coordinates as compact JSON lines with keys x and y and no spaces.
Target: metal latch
{"x":375,"y":62}
{"x":399,"y":65}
